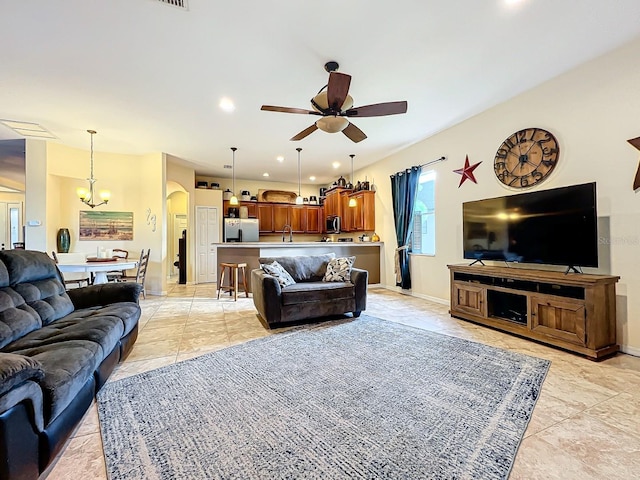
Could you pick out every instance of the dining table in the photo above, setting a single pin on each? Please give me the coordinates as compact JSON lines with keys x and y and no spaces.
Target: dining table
{"x":97,"y":266}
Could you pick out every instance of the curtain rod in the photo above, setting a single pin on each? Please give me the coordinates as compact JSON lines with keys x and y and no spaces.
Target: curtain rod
{"x":441,"y":159}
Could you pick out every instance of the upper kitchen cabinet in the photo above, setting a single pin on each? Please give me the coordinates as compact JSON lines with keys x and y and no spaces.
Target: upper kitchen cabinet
{"x":362,"y":217}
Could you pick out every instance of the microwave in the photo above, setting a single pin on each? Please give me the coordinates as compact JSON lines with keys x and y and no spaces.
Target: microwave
{"x":333,"y":224}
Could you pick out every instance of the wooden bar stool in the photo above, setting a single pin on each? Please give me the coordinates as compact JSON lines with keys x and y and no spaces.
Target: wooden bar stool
{"x":234,"y":270}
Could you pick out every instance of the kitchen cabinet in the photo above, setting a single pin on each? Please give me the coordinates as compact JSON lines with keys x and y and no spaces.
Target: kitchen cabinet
{"x":362,"y":217}
{"x":272,"y":217}
{"x":333,"y":202}
{"x":298,"y":218}
{"x":280,"y":217}
{"x":314,"y":222}
{"x":265,"y":217}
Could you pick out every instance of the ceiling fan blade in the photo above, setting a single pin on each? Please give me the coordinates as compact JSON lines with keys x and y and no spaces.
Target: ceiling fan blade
{"x":354,"y":133}
{"x":377,"y":110}
{"x":305,"y":132}
{"x":337,"y":89}
{"x":271,"y":108}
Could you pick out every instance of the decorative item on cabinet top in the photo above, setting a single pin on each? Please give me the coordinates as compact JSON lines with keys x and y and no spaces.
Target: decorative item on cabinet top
{"x":277,"y":196}
{"x":203,"y":184}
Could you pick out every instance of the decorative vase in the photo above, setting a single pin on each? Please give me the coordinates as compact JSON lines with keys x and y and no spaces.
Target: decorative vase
{"x":63,"y":240}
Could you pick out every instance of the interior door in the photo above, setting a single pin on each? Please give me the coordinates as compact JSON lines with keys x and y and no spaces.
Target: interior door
{"x":207,"y":236}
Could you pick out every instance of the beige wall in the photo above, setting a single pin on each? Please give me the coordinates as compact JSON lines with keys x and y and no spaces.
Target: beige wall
{"x":137,"y":184}
{"x":592,"y":111}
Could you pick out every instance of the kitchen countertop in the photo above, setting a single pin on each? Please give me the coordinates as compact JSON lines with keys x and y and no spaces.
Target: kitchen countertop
{"x":367,"y":253}
{"x":296,"y":244}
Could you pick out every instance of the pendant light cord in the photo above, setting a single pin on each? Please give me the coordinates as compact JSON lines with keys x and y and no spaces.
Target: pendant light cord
{"x":233,"y":170}
{"x":299,"y":150}
{"x":352,"y":155}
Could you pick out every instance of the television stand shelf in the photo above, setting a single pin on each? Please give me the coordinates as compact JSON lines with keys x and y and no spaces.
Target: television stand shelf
{"x":576,"y":312}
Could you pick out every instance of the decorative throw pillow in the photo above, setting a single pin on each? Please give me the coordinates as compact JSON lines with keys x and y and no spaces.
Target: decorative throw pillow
{"x":339,"y":270}
{"x":276,"y":270}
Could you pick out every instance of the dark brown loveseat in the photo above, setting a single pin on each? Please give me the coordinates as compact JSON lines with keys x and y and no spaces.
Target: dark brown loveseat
{"x":57,"y":349}
{"x":309,"y":297}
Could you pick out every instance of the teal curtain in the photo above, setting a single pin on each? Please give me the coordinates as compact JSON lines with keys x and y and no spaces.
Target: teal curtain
{"x":404,"y":186}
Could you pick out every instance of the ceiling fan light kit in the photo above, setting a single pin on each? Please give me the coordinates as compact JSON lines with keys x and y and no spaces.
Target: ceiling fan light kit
{"x":334,"y":104}
{"x":332,"y":124}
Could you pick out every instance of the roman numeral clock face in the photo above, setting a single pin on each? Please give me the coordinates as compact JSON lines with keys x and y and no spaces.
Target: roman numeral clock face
{"x":526,"y":158}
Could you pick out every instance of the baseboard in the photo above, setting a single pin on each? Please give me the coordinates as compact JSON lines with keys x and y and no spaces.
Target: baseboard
{"x":635,"y":351}
{"x":396,"y":289}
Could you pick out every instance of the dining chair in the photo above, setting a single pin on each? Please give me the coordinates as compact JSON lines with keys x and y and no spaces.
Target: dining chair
{"x":116,"y":275}
{"x":72,"y":278}
{"x":141,"y":272}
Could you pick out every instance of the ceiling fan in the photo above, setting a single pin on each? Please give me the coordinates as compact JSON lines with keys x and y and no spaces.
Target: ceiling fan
{"x":334,"y":104}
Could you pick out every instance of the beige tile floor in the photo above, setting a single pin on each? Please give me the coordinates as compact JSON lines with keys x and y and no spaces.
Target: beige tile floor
{"x":586,"y":424}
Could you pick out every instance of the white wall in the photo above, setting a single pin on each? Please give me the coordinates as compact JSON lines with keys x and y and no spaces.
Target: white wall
{"x":593,"y":111}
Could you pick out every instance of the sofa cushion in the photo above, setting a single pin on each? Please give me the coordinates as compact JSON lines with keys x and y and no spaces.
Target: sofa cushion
{"x":127,"y":312}
{"x":17,"y":369}
{"x":306,"y":292}
{"x":25,"y":266}
{"x":16,"y":317}
{"x":339,"y":269}
{"x":105,"y":331}
{"x":67,"y":367}
{"x":35,"y":277}
{"x":276,"y":270}
{"x":305,"y":268}
{"x":47,"y":297}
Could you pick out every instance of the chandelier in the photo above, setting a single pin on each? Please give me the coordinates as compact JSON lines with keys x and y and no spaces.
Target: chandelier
{"x":87,"y":196}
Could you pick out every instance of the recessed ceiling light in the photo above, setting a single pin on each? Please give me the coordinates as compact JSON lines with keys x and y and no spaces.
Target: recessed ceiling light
{"x":265,"y":174}
{"x":280,"y":158}
{"x":336,"y":164}
{"x":312,"y":178}
{"x":226,"y":104}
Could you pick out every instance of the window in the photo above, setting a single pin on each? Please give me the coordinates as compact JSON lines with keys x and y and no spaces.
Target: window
{"x":423,"y":238}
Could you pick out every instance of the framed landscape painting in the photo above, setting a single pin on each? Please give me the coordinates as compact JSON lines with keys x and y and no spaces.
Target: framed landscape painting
{"x":106,"y":225}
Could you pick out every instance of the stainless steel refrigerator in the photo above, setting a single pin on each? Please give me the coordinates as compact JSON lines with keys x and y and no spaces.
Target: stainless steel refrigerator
{"x":241,"y":230}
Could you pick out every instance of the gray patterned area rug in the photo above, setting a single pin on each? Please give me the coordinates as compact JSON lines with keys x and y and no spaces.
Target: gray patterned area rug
{"x":364,"y":398}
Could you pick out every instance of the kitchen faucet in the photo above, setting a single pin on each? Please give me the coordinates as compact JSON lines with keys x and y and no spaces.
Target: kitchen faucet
{"x":290,"y":232}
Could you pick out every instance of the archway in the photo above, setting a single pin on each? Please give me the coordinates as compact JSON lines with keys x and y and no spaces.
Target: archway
{"x":177,"y":222}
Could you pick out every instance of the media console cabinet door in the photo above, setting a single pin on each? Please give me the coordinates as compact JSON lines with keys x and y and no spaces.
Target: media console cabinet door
{"x":469,"y":299}
{"x":563,"y":319}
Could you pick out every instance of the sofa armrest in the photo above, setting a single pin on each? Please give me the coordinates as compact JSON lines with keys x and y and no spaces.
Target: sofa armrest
{"x":267,"y":296}
{"x":360,"y":279}
{"x":104,"y":294}
{"x":17,"y":369}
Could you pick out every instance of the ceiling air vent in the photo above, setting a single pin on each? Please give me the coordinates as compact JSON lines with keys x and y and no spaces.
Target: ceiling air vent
{"x":176,"y":3}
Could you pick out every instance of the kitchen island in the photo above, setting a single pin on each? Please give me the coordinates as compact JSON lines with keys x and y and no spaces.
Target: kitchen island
{"x":367,"y":253}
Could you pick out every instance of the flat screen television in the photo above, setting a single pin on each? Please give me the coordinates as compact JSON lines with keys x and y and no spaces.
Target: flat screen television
{"x":555,"y":227}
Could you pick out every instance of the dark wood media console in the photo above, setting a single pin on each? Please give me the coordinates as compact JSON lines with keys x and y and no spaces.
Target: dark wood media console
{"x":573,"y":311}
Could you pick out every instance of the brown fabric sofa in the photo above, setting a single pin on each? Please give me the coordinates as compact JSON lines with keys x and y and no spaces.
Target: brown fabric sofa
{"x":310,"y":297}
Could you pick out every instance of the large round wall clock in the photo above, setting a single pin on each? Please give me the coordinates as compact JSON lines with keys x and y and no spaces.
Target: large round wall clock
{"x":526,"y":158}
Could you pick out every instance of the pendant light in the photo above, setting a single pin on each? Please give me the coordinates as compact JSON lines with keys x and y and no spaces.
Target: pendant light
{"x":299,"y":199}
{"x":233,"y":200}
{"x":87,"y":196}
{"x":352,"y":200}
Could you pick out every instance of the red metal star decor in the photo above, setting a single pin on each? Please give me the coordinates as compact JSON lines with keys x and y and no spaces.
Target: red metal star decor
{"x":467,"y":171}
{"x":636,"y":143}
